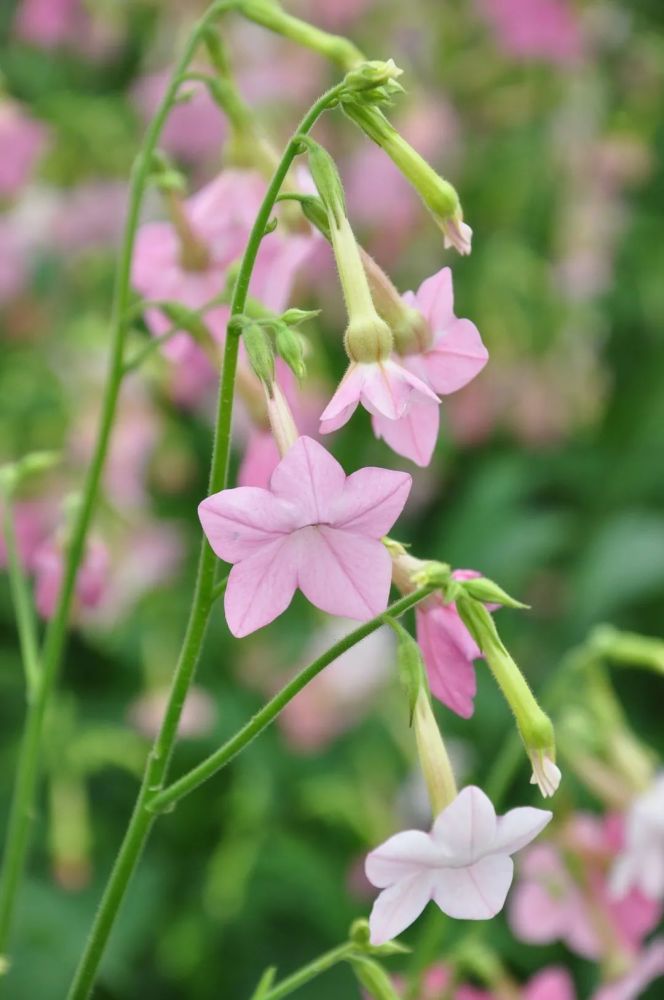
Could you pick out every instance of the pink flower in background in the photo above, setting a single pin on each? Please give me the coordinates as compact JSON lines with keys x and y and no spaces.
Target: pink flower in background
{"x":314,"y":529}
{"x":48,"y":568}
{"x":534,"y":29}
{"x":464,"y":865}
{"x":198,"y":713}
{"x":14,"y":260}
{"x":452,"y":359}
{"x":33,"y":522}
{"x":648,"y":968}
{"x":48,"y":23}
{"x":383,"y":387}
{"x":640,"y":864}
{"x":552,"y":983}
{"x":342,"y":693}
{"x":90,"y":216}
{"x":22,"y":140}
{"x":195,"y":129}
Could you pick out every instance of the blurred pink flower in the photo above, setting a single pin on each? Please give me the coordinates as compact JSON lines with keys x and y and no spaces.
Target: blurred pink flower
{"x":464,"y":865}
{"x":195,"y":129}
{"x":22,"y":140}
{"x":453,"y":357}
{"x":198,"y":713}
{"x":641,"y":862}
{"x":648,"y":968}
{"x":341,"y":694}
{"x":14,"y":260}
{"x":314,"y":529}
{"x":48,"y":23}
{"x":535,"y":29}
{"x":33,"y":522}
{"x":48,"y":568}
{"x":553,"y":983}
{"x":89,"y":216}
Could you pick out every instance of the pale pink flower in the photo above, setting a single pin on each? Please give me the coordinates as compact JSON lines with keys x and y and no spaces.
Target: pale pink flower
{"x":452,"y":359}
{"x":48,"y":568}
{"x":90,"y":216}
{"x":546,"y":773}
{"x":641,"y":862}
{"x":14,"y":260}
{"x":534,"y":29}
{"x":22,"y":140}
{"x":314,"y":529}
{"x":383,"y":387}
{"x":648,"y":968}
{"x":553,"y":983}
{"x":48,"y":23}
{"x":33,"y":522}
{"x":464,"y":865}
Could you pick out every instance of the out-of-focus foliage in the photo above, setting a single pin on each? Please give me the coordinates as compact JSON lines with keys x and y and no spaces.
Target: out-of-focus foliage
{"x":548,"y":475}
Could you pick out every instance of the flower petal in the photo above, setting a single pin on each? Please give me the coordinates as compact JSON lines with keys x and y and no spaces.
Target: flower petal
{"x":466,"y":829}
{"x":310,"y":478}
{"x":401,"y":856}
{"x":550,"y":984}
{"x":347,"y":395}
{"x":343,"y":573}
{"x":450,"y":666}
{"x":371,"y":501}
{"x":240,"y":521}
{"x":413,"y":435}
{"x":518,"y":827}
{"x":389,"y":389}
{"x":456,"y":357}
{"x":397,"y":907}
{"x":261,"y":587}
{"x":435,"y":299}
{"x":476,"y":892}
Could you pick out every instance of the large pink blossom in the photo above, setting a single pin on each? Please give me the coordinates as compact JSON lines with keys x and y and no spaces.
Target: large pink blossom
{"x":464,"y":865}
{"x":314,"y":529}
{"x":22,"y":140}
{"x":451,"y":359}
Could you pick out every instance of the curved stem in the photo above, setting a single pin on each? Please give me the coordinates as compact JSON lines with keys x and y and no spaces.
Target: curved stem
{"x":310,"y":971}
{"x":159,"y":759}
{"x":22,"y":810}
{"x":216,"y":761}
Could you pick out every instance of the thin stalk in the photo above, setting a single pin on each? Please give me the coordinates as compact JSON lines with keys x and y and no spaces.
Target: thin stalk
{"x":221,"y":757}
{"x":159,"y":759}
{"x":311,"y":971}
{"x":24,"y":609}
{"x":22,"y":805}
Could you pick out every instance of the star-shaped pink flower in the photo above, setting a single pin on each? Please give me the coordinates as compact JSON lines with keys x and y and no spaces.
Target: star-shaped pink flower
{"x":315,"y":529}
{"x":464,"y":865}
{"x":384,"y":388}
{"x":454,"y":357}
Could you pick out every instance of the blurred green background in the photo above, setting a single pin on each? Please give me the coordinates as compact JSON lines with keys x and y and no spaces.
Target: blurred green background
{"x":548,"y":475}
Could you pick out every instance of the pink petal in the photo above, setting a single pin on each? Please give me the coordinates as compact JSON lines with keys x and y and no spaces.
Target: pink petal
{"x":535,"y":915}
{"x":413,"y":435}
{"x":435,"y":299}
{"x":346,"y":397}
{"x":457,"y":356}
{"x":401,"y":856}
{"x":261,"y":587}
{"x":518,"y":827}
{"x":476,"y":892}
{"x":334,"y":423}
{"x":310,"y":478}
{"x":450,"y":669}
{"x":465,"y":830}
{"x":343,"y":573}
{"x":241,"y":521}
{"x":389,"y":389}
{"x":550,"y":984}
{"x":397,"y":907}
{"x":371,"y":501}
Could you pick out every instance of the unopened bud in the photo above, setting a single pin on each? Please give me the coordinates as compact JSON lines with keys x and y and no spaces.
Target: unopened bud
{"x":410,"y":665}
{"x":289,"y":347}
{"x":373,"y":978}
{"x":294,"y":317}
{"x":373,"y":73}
{"x":434,"y":761}
{"x":485,"y":590}
{"x":259,"y":350}
{"x":327,"y":180}
{"x":534,"y":725}
{"x":281,"y":420}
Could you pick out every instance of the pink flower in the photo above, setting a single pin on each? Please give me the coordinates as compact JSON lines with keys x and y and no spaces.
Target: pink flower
{"x":453,"y":357}
{"x":534,"y":29}
{"x":48,"y":23}
{"x":464,"y":865}
{"x":314,"y":529}
{"x":554,"y":983}
{"x":648,"y":968}
{"x":383,"y":387}
{"x":195,"y":129}
{"x":48,"y":567}
{"x":22,"y":141}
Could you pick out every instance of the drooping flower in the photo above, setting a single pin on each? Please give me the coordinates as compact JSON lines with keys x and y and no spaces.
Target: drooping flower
{"x":444,"y":352}
{"x":314,"y":529}
{"x":641,"y":863}
{"x":464,"y":865}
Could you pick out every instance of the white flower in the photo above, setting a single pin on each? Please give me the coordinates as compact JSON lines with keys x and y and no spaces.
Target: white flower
{"x":641,"y":863}
{"x":546,"y":775}
{"x":463,"y":865}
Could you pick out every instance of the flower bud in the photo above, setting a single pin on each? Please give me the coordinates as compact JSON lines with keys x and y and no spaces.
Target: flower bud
{"x":410,"y":665}
{"x":488,"y":592}
{"x":258,"y":346}
{"x":326,"y":178}
{"x":280,"y":417}
{"x":373,"y":73}
{"x":534,"y":725}
{"x":289,"y":347}
{"x":373,"y":978}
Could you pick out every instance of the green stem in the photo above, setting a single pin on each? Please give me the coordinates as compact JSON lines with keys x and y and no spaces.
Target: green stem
{"x":219,"y":589}
{"x":22,"y":806}
{"x":23,"y":606}
{"x":334,"y":47}
{"x":159,"y":759}
{"x":309,"y":972}
{"x":216,"y":761}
